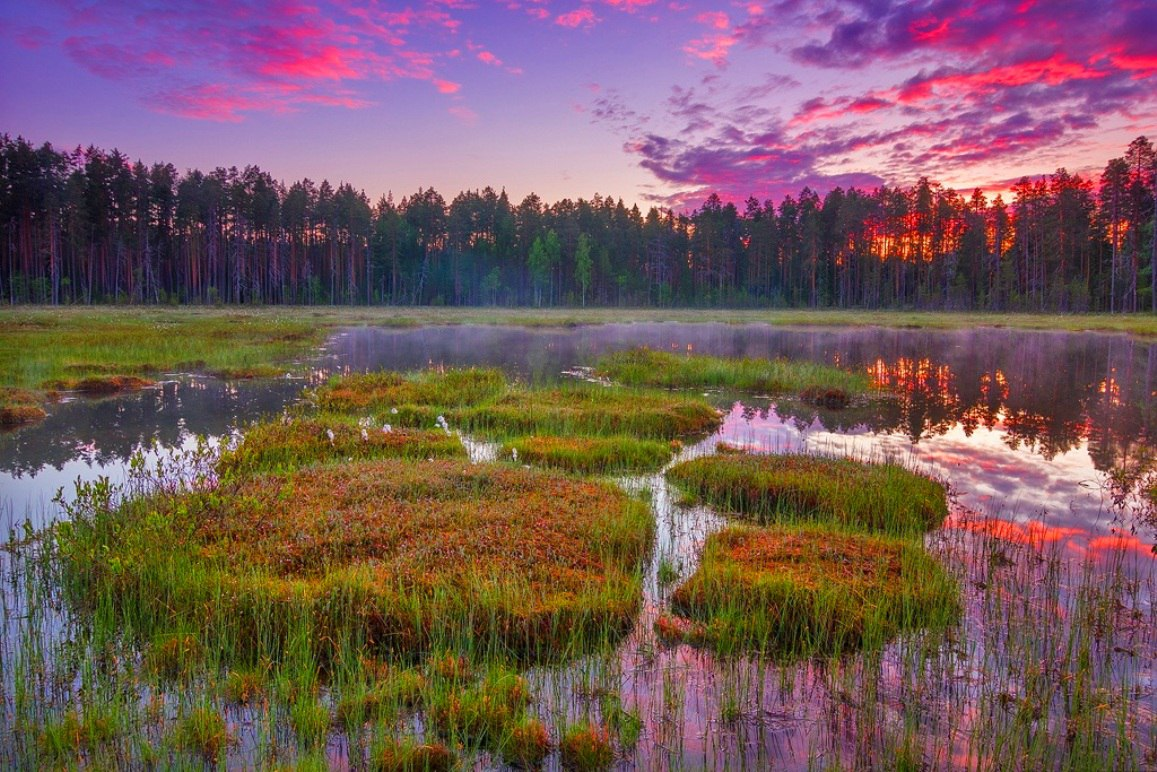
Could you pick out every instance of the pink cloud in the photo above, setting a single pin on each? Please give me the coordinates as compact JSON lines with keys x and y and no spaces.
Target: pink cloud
{"x":580,"y":17}
{"x":447,"y":87}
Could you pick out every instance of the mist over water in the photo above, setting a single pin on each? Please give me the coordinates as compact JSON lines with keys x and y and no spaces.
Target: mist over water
{"x":1026,"y":425}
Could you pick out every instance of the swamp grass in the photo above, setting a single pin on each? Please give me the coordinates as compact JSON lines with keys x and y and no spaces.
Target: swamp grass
{"x":591,"y":455}
{"x":41,"y":345}
{"x":798,"y":487}
{"x":648,"y":367}
{"x":482,"y":402}
{"x":811,"y":591}
{"x":390,"y":554}
{"x":292,"y":442}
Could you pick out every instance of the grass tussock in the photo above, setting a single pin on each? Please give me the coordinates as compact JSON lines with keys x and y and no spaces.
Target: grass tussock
{"x":480,"y":401}
{"x":100,"y":385}
{"x":408,"y":755}
{"x":431,"y":388}
{"x":775,"y":488}
{"x":808,"y":591}
{"x":203,"y":732}
{"x":587,"y":747}
{"x":12,"y":416}
{"x":647,"y":367}
{"x":590,"y":410}
{"x":591,"y":455}
{"x":291,"y":443}
{"x":396,"y":554}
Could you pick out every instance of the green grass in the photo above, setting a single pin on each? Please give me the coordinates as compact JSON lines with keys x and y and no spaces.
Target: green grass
{"x":300,"y":441}
{"x":783,"y":488}
{"x":41,"y":346}
{"x":809,"y":591}
{"x":590,"y":455}
{"x":391,"y":555}
{"x":646,"y":367}
{"x":479,"y":401}
{"x":384,"y":390}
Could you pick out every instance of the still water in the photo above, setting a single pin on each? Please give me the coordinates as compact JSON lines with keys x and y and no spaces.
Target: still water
{"x":1041,"y":429}
{"x":1044,"y":438}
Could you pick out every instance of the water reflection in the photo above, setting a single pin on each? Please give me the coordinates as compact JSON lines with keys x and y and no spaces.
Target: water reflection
{"x":1056,"y":425}
{"x":86,"y":438}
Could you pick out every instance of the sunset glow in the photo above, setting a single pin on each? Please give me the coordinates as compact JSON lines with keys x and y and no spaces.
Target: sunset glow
{"x":657,"y":102}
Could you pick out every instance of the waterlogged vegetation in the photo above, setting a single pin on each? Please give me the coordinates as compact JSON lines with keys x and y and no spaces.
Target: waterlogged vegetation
{"x":480,"y":401}
{"x":591,"y":455}
{"x":830,"y":585}
{"x":344,"y":587}
{"x":294,"y":441}
{"x":808,"y":591}
{"x":387,"y":555}
{"x":876,"y":497}
{"x":646,"y":367}
{"x":47,"y":349}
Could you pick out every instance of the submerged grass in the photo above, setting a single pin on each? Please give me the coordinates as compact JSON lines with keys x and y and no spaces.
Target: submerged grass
{"x":647,"y":367}
{"x":809,"y":591}
{"x":396,"y":555}
{"x":591,"y":455}
{"x":778,"y":488}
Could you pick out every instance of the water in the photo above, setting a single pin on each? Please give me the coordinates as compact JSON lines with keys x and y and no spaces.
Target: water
{"x":1038,"y":434}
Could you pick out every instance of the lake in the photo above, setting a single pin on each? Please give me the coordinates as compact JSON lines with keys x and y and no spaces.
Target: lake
{"x":1043,"y":439}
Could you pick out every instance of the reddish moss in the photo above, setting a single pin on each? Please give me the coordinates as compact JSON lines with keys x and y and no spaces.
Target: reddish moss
{"x":587,"y":747}
{"x":877,"y":497}
{"x":20,"y":415}
{"x":383,"y":390}
{"x":591,"y":454}
{"x":527,"y":744}
{"x":804,"y":591}
{"x":406,"y":554}
{"x":299,"y":442}
{"x":97,"y":385}
{"x":407,"y":756}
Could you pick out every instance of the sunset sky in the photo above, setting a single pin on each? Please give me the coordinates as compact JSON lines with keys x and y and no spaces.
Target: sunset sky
{"x":654,"y":101}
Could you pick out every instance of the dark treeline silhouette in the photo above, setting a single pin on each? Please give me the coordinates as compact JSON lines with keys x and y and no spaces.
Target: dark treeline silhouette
{"x":89,"y":226}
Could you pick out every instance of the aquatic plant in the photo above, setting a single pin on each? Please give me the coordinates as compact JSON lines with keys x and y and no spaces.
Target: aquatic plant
{"x":203,"y":732}
{"x":586,"y":747}
{"x":292,"y":442}
{"x":408,"y":755}
{"x":648,"y":367}
{"x":590,"y":455}
{"x":398,"y":555}
{"x":583,"y":409}
{"x":385,"y":389}
{"x":807,"y":591}
{"x":780,"y":488}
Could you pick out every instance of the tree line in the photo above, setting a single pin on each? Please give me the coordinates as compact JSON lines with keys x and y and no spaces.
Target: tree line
{"x":89,"y":226}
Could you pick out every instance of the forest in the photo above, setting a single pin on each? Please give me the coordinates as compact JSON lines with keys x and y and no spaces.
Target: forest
{"x":89,"y":226}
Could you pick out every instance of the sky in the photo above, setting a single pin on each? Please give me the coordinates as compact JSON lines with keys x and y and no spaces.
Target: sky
{"x":654,"y":101}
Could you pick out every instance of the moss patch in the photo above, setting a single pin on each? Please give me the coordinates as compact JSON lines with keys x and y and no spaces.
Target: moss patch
{"x":401,"y":556}
{"x":291,"y":443}
{"x":646,"y":367}
{"x":480,"y":401}
{"x":432,"y":388}
{"x":591,"y":455}
{"x":590,"y":410}
{"x":775,"y":488}
{"x":808,"y":591}
{"x":100,"y":385}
